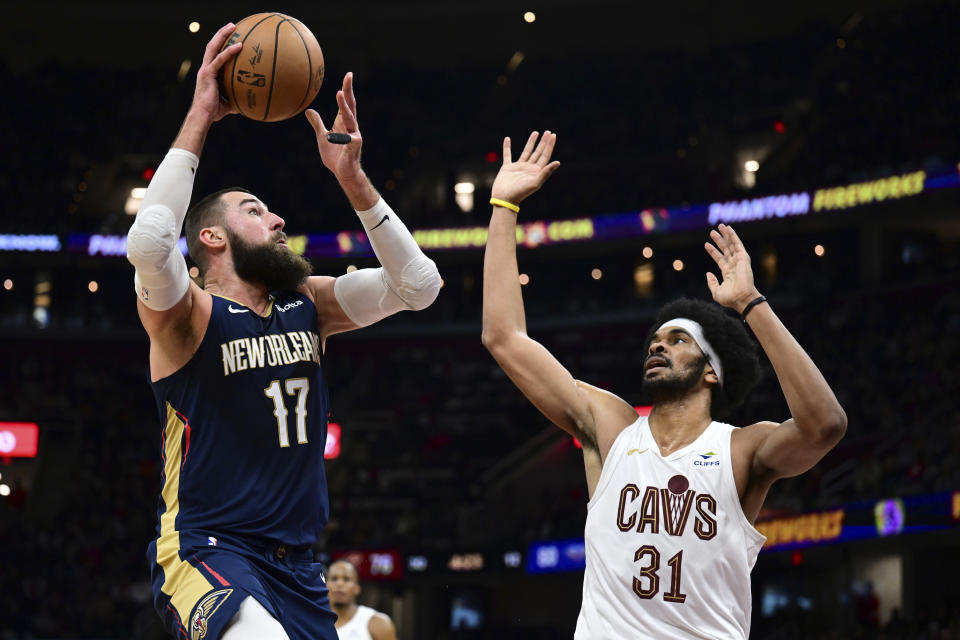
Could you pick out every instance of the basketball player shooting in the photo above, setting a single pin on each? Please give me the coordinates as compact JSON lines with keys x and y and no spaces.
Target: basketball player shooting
{"x":669,"y":533}
{"x":355,"y":621}
{"x":237,"y":372}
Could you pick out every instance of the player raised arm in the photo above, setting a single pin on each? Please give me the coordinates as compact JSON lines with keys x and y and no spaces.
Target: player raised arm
{"x":818,"y":421}
{"x":165,"y":293}
{"x":407,"y":279}
{"x":576,"y":407}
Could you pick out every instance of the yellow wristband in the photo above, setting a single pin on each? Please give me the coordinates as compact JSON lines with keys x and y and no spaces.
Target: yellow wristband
{"x":505,"y":204}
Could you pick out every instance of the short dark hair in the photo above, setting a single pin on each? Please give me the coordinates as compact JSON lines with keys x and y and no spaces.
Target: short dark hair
{"x":729,"y":338}
{"x":207,"y":212}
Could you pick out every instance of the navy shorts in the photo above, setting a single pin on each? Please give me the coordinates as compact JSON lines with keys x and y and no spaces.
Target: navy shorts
{"x":199,"y":580}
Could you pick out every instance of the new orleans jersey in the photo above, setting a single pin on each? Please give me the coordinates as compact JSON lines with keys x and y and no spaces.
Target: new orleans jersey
{"x":244,"y":429}
{"x":669,"y":550}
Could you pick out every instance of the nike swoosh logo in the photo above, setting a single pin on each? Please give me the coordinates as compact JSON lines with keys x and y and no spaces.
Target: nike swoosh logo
{"x":633,"y":451}
{"x":232,"y":310}
{"x":385,"y":218}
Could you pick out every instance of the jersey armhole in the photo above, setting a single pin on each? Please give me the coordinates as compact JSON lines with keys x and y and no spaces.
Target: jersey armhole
{"x":731,"y":483}
{"x":613,"y":459}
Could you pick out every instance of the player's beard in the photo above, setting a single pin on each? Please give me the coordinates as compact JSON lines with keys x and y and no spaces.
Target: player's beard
{"x":671,"y":387}
{"x":270,"y":264}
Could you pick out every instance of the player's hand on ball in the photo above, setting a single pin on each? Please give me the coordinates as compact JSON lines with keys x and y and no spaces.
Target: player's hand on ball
{"x":206,"y":96}
{"x":517,"y":180}
{"x":342,"y":159}
{"x":737,"y":288}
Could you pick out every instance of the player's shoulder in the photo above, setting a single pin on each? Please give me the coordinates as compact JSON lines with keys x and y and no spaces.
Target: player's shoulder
{"x":380,"y":623}
{"x":753,"y":434}
{"x":608,"y":407}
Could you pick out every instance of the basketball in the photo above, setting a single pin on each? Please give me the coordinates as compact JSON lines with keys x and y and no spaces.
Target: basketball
{"x":278,"y":71}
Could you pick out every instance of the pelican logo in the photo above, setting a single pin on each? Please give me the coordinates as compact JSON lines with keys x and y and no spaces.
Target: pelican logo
{"x":205,"y":610}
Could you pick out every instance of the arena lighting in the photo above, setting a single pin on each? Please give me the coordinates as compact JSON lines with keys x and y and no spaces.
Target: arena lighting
{"x":194,"y":27}
{"x":464,"y":187}
{"x":4,"y":490}
{"x":524,"y":279}
{"x":529,"y":17}
{"x":819,"y":250}
{"x":18,"y":439}
{"x":751,"y":166}
{"x":181,"y":75}
{"x":613,"y":226}
{"x":596,"y":274}
{"x":332,"y":447}
{"x":30,"y":242}
{"x":93,"y":286}
{"x":8,"y":284}
{"x":132,"y":205}
{"x":492,"y":156}
{"x":678,"y":265}
{"x":351,"y":268}
{"x":194,"y":272}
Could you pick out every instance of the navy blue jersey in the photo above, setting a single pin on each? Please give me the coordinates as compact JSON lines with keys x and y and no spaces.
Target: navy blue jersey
{"x":244,"y":429}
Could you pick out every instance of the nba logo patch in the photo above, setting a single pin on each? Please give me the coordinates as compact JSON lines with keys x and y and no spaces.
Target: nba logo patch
{"x":211,"y":541}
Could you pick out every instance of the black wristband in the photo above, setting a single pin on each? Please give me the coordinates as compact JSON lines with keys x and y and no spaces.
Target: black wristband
{"x":749,"y":307}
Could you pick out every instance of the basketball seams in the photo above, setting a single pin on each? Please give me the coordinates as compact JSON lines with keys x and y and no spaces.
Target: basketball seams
{"x":236,"y":58}
{"x":273,"y":72}
{"x":306,"y":47}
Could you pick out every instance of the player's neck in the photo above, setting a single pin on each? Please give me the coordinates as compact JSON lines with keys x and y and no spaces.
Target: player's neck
{"x":345,"y":612}
{"x":230,"y":285}
{"x":676,"y":422}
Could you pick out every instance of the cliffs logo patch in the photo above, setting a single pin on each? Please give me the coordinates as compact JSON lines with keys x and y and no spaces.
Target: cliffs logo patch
{"x":708,"y":459}
{"x":205,"y":610}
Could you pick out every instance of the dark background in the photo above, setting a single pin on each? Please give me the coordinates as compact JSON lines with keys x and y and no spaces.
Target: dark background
{"x":656,"y":104}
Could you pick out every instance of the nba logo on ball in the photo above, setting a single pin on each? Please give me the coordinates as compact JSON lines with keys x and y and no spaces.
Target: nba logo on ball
{"x":277,"y":72}
{"x":211,"y":541}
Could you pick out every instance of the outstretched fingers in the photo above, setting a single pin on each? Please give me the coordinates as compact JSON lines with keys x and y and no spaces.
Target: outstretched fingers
{"x":216,"y":42}
{"x":528,"y":148}
{"x":348,"y":93}
{"x":507,"y":155}
{"x":715,"y":253}
{"x":349,"y":118}
{"x":544,"y":150}
{"x":317,"y":123}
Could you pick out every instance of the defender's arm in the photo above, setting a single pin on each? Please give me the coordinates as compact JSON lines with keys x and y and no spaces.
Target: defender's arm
{"x":818,"y":421}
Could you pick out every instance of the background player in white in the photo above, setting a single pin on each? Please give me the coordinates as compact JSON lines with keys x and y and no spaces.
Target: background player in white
{"x":240,"y":247}
{"x":669,"y":535}
{"x":355,"y":621}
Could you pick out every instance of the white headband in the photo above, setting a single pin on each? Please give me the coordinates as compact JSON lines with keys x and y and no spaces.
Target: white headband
{"x":696,"y":332}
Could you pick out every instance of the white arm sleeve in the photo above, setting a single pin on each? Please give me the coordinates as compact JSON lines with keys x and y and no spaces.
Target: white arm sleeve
{"x":161,"y":278}
{"x":407,"y":280}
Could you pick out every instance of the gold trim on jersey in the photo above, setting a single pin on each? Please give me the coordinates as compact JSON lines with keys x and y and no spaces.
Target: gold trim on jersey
{"x":269,"y":311}
{"x":182,"y":582}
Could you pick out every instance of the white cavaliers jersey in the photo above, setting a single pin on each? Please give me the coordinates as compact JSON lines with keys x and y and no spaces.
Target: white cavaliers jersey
{"x":668,"y":548}
{"x":359,"y":626}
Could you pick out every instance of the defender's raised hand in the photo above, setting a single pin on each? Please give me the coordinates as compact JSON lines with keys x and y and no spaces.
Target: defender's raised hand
{"x":517,"y":180}
{"x":206,"y":96}
{"x":342,"y":159}
{"x":737,"y":288}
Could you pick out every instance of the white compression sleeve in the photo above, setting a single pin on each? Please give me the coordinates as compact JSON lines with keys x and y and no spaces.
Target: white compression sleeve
{"x":408,"y":279}
{"x":161,"y":278}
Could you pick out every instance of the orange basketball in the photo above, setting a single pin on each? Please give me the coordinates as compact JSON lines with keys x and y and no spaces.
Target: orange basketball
{"x":277,"y":72}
